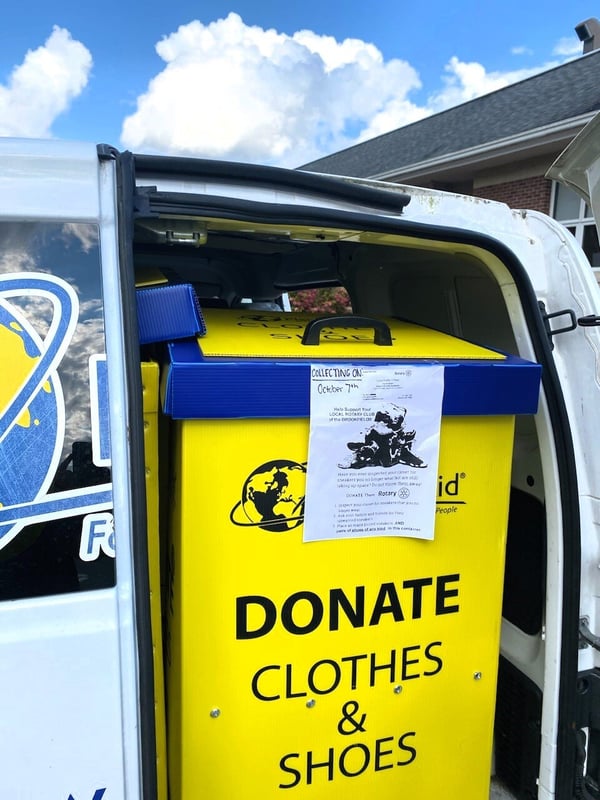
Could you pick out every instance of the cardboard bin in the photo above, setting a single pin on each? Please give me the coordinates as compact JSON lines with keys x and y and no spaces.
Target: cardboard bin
{"x":354,"y":667}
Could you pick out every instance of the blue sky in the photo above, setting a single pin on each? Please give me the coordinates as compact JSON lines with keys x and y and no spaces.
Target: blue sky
{"x":263,"y":81}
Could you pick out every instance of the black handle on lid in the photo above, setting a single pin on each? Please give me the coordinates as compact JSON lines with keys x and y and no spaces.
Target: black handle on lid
{"x":312,"y":332}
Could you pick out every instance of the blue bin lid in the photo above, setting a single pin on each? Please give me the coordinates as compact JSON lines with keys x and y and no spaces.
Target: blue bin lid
{"x":225,"y":375}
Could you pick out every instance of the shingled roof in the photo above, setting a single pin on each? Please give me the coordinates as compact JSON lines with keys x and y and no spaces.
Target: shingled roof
{"x":567,"y":92}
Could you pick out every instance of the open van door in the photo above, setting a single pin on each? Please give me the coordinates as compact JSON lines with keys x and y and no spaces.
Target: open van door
{"x":72,"y":482}
{"x":578,"y":166}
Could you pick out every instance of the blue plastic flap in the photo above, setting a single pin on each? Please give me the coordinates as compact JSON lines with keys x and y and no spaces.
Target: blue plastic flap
{"x":202,"y":388}
{"x":168,"y":312}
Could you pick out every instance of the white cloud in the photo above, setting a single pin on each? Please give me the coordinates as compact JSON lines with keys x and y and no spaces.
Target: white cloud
{"x":466,"y":81}
{"x":85,"y":234}
{"x":234,"y":91}
{"x":521,"y":50}
{"x":568,"y":46}
{"x":394,"y":115}
{"x":43,"y":86}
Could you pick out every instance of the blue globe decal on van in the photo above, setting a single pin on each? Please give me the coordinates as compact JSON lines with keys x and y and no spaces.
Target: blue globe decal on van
{"x":27,"y":452}
{"x":32,"y":413}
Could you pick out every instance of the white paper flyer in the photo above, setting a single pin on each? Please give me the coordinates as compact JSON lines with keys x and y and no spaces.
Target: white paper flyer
{"x":373,"y":451}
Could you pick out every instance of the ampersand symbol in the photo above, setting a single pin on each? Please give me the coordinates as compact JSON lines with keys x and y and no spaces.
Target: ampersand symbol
{"x":349,"y":710}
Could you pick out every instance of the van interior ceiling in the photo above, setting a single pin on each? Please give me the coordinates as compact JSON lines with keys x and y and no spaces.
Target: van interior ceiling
{"x":457,"y":290}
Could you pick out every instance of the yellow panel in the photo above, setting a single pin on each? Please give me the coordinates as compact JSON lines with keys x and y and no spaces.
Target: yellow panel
{"x":150,"y":381}
{"x":269,"y":334}
{"x":357,"y":668}
{"x":149,"y":276}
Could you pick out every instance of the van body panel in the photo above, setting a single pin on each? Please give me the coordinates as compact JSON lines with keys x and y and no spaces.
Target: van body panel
{"x":69,"y":633}
{"x":79,"y":227}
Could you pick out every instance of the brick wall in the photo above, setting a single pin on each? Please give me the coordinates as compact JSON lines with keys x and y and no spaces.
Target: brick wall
{"x":531,"y":193}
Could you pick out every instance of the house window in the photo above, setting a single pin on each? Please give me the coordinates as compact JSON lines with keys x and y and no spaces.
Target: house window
{"x":573,"y":212}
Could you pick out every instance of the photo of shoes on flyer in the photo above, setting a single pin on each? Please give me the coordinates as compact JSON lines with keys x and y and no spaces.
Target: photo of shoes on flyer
{"x":386,"y":443}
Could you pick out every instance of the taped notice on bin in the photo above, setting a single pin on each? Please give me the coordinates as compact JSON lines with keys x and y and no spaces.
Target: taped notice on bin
{"x":373,"y":451}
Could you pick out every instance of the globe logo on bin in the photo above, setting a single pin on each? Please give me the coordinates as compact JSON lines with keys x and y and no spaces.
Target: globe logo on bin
{"x":272,"y":497}
{"x":31,"y":401}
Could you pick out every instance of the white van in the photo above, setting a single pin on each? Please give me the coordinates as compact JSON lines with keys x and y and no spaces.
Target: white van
{"x":90,"y":471}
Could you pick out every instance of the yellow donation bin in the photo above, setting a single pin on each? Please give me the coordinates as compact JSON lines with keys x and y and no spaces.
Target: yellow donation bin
{"x":357,"y":659}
